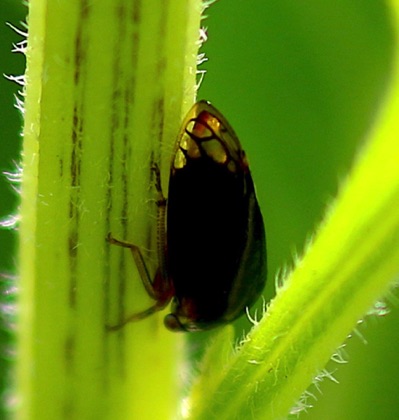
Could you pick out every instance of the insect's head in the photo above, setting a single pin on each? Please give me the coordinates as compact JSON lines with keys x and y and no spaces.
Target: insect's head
{"x":173,"y":323}
{"x":176,"y":323}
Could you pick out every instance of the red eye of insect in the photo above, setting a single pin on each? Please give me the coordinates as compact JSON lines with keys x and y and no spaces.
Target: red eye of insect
{"x":215,"y":266}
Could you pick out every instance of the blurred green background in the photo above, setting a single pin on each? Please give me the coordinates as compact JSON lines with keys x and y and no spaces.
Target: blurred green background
{"x":300,"y":82}
{"x":10,"y":120}
{"x":10,"y":143}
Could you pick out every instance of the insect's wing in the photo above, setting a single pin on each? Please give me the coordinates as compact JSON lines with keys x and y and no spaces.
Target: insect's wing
{"x":216,"y":239}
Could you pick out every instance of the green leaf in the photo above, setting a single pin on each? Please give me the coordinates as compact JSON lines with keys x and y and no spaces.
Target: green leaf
{"x":107,"y":85}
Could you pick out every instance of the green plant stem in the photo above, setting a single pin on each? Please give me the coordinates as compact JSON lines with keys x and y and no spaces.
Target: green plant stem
{"x":107,"y":85}
{"x":352,"y":262}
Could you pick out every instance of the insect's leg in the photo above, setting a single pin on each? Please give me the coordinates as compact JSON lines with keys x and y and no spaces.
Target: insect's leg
{"x":161,"y":229}
{"x":139,"y":261}
{"x":140,"y":264}
{"x":137,"y":316}
{"x":159,"y":289}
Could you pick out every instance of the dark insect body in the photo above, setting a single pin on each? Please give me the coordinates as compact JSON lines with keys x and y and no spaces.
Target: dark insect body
{"x":213,"y":264}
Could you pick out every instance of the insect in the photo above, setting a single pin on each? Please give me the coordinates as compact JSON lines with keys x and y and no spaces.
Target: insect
{"x":212,"y":259}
